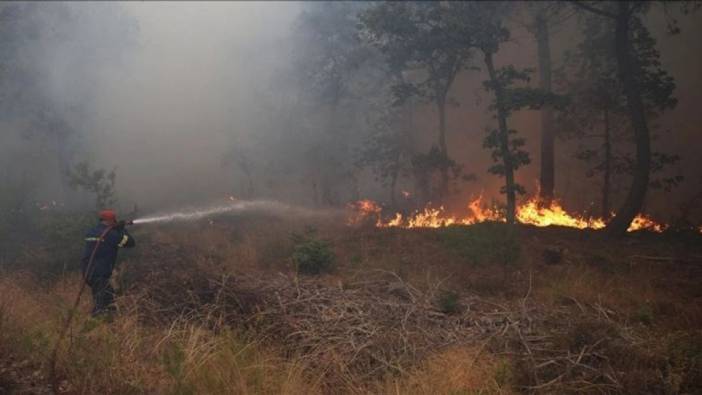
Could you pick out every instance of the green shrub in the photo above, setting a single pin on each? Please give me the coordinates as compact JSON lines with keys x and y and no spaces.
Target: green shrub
{"x":312,"y":255}
{"x":448,"y":302}
{"x":644,"y":314}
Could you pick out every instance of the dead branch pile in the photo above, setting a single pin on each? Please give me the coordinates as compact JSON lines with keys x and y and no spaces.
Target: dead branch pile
{"x":586,"y":350}
{"x":375,"y":323}
{"x":362,"y":329}
{"x":357,"y":331}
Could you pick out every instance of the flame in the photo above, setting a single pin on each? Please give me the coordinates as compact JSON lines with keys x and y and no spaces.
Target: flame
{"x":532,"y":212}
{"x":363,"y":210}
{"x":644,"y":222}
{"x":429,"y":217}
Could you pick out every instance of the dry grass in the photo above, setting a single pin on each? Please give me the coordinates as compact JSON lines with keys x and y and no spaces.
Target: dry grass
{"x":184,"y":357}
{"x":126,"y":356}
{"x":459,"y":370}
{"x":538,"y":317}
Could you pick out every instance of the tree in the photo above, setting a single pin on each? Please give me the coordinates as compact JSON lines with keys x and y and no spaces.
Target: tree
{"x":505,"y":149}
{"x":642,"y":77}
{"x":543,"y":17}
{"x":386,"y":150}
{"x":96,"y":181}
{"x":336,"y":75}
{"x":414,"y":39}
{"x":481,"y":26}
{"x":42,"y":114}
{"x":597,"y":110}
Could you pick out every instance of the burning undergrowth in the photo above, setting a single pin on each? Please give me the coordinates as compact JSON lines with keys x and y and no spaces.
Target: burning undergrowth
{"x":531,"y":212}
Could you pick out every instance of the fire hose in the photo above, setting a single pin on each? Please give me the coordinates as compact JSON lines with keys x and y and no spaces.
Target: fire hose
{"x":71,"y":312}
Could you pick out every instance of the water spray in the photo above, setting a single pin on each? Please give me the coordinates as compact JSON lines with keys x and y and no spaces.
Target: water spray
{"x":237,"y":206}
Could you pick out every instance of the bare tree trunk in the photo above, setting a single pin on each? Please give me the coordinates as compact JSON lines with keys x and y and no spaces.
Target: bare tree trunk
{"x":607,"y":167}
{"x":548,"y":173}
{"x":443,"y":187}
{"x":510,"y":188}
{"x":627,"y":74}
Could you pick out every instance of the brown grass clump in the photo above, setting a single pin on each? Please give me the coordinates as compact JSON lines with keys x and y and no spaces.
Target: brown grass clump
{"x":125,"y":356}
{"x":456,"y":370}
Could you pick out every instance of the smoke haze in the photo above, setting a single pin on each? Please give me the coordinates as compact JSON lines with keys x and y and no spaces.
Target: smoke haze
{"x":164,"y":90}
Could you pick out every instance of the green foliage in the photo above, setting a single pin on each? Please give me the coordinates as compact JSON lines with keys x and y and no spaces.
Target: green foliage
{"x":598,"y":107}
{"x":482,"y":243}
{"x":506,"y":149}
{"x":312,"y":255}
{"x":517,"y":156}
{"x":644,"y":314}
{"x":413,"y":37}
{"x":448,"y":302}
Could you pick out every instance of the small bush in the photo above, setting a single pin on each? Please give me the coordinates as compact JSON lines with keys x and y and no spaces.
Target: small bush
{"x":312,"y":255}
{"x":448,"y":302}
{"x":644,"y":314}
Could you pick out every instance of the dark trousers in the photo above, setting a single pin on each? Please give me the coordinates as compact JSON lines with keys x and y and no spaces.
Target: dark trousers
{"x":103,"y":295}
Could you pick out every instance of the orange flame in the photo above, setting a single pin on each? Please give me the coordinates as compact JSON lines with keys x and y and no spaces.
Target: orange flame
{"x":363,"y":210}
{"x":531,"y":213}
{"x":644,"y":222}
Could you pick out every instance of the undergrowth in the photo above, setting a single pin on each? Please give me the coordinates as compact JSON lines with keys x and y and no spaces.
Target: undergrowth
{"x":312,"y":255}
{"x":483,"y":243}
{"x":646,"y":331}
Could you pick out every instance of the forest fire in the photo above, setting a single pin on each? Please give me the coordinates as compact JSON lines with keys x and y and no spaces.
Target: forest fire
{"x":531,"y":212}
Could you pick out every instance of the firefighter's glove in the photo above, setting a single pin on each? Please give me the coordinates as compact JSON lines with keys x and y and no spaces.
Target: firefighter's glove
{"x":120,"y":225}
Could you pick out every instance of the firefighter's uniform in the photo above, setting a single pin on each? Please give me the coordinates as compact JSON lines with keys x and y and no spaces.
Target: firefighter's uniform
{"x":97,"y":276}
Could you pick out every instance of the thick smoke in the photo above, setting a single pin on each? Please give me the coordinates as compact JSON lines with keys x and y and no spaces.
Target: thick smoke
{"x":195,"y":101}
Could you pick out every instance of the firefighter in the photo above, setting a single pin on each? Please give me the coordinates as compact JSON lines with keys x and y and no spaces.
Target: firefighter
{"x":102,"y":243}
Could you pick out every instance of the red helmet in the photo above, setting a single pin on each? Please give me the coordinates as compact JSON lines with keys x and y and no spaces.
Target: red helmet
{"x":108,"y":215}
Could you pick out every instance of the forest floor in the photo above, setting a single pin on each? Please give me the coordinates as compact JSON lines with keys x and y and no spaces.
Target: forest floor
{"x":218,"y":307}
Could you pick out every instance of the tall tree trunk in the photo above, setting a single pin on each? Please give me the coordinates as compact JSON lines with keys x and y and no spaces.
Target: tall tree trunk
{"x":443,"y":187}
{"x":548,"y":175}
{"x":607,"y":166}
{"x":627,"y":74}
{"x":510,"y":188}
